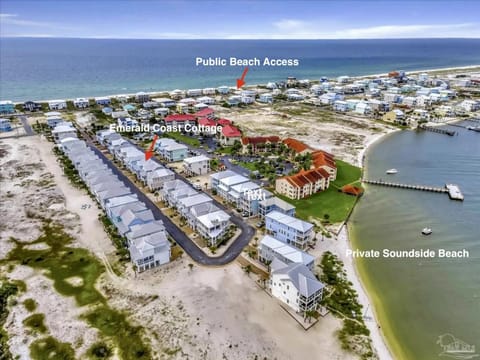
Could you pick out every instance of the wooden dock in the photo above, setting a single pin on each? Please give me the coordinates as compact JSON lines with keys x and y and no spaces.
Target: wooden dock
{"x":437,"y":130}
{"x":452,"y":190}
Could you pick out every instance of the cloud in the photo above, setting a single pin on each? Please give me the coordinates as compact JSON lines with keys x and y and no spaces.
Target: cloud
{"x":15,"y":20}
{"x":291,"y":24}
{"x":299,"y":29}
{"x":419,"y":30}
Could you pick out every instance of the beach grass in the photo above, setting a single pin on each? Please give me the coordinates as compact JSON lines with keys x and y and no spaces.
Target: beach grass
{"x":331,"y":204}
{"x":30,"y":304}
{"x":62,"y":263}
{"x":50,"y":348}
{"x":36,"y":322}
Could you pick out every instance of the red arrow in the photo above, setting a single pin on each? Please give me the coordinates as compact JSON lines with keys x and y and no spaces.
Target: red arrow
{"x":241,"y":81}
{"x":149,"y":152}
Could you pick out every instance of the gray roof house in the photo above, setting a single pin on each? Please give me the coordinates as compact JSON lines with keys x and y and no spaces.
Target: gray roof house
{"x":137,"y":231}
{"x":270,"y":247}
{"x":150,"y":251}
{"x":129,"y":218}
{"x":156,"y":178}
{"x":295,"y":285}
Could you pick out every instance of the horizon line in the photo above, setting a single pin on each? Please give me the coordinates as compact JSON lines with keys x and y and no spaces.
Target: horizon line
{"x":245,"y":39}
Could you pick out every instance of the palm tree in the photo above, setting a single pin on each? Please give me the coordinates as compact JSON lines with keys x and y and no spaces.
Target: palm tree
{"x":309,"y":314}
{"x":190,"y":266}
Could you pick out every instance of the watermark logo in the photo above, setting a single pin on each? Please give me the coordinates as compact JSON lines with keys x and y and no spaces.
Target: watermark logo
{"x":455,"y":348}
{"x":254,"y":195}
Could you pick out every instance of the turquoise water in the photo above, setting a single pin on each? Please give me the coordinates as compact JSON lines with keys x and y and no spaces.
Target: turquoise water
{"x":39,"y":69}
{"x":418,"y":300}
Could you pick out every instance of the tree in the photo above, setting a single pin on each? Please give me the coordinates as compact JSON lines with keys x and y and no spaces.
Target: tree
{"x":309,"y":314}
{"x":248,"y":269}
{"x":190,"y":266}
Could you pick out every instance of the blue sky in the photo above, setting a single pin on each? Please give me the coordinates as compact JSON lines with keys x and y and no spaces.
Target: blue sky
{"x":281,"y":19}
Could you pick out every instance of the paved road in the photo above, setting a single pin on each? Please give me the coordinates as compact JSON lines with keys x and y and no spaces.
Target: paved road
{"x":183,"y":240}
{"x":28,"y":129}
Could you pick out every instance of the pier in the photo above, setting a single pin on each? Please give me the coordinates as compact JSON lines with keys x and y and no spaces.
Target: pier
{"x":437,"y":130}
{"x":452,"y":190}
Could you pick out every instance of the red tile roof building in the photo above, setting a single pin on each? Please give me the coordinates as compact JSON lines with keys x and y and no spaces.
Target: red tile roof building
{"x":205,"y":113}
{"x":223,"y":122}
{"x":258,"y":143}
{"x":298,"y":146}
{"x":229,"y":135}
{"x":303,"y":184}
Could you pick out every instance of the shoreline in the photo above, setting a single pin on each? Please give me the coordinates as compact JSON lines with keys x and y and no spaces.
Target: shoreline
{"x":160,"y":92}
{"x":377,"y":335}
{"x":379,"y":340}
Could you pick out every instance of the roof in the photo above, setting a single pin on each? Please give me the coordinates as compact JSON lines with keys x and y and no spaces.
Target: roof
{"x":195,"y":159}
{"x":296,"y":145}
{"x":352,"y":190}
{"x":173,"y":147}
{"x":207,"y":122}
{"x":277,"y":202}
{"x":204,"y":112}
{"x":305,"y":177}
{"x":195,"y":200}
{"x":249,"y":185}
{"x":180,"y":117}
{"x":322,"y":158}
{"x":301,"y":277}
{"x":260,"y":140}
{"x":289,"y":221}
{"x":140,"y":230}
{"x":231,"y":131}
{"x":224,"y":122}
{"x":212,"y":219}
{"x":152,"y":242}
{"x":287,"y":251}
{"x":203,"y":208}
{"x":63,"y":128}
{"x":223,"y":174}
{"x":234,"y":180}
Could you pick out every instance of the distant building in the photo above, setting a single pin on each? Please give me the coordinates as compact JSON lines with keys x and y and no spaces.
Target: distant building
{"x":142,"y":97}
{"x":102,"y":100}
{"x":7,"y":107}
{"x":61,"y":132}
{"x":194,"y":92}
{"x":180,"y":120}
{"x":32,"y":106}
{"x":80,"y":103}
{"x":57,"y":104}
{"x":5,"y":125}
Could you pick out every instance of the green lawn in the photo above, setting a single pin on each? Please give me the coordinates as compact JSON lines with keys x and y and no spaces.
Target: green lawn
{"x":332,"y":202}
{"x":183,"y":138}
{"x":247,"y":165}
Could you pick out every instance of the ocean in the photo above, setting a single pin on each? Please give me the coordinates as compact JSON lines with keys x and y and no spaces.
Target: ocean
{"x":419,"y":300}
{"x":39,"y":69}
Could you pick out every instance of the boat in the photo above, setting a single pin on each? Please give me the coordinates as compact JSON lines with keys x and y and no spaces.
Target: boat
{"x":391,"y":171}
{"x":426,"y":231}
